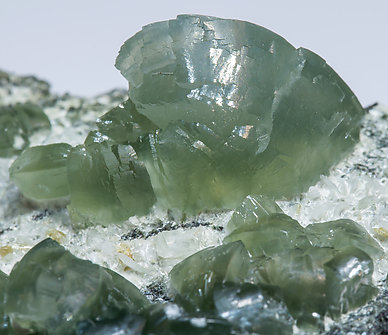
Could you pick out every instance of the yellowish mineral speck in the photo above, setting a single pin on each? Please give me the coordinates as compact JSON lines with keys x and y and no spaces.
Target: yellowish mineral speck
{"x":6,"y":250}
{"x":56,"y":235}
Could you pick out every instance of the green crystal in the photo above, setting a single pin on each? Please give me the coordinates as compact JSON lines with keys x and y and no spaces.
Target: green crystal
{"x":193,"y":279}
{"x":341,"y":234}
{"x":51,"y":291}
{"x":317,"y":281}
{"x":123,"y":124}
{"x":273,"y":235}
{"x":324,"y":269}
{"x":18,"y":123}
{"x":40,"y":172}
{"x":107,"y":183}
{"x":238,"y":110}
{"x":252,"y":209}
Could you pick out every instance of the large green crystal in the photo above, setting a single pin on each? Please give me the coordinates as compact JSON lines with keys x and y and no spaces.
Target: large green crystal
{"x":51,"y":291}
{"x":17,"y":124}
{"x":238,"y":110}
{"x":40,"y":172}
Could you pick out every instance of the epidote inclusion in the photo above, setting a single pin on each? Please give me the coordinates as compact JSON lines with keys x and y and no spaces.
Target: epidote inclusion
{"x":222,"y":114}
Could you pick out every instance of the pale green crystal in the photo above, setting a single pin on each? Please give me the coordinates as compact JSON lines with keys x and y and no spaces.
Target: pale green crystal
{"x":107,"y":183}
{"x":40,"y":172}
{"x":341,"y":234}
{"x":123,"y":124}
{"x":194,"y":278}
{"x":50,"y":291}
{"x":273,"y":235}
{"x":239,"y":111}
{"x":17,"y":123}
{"x":252,"y":209}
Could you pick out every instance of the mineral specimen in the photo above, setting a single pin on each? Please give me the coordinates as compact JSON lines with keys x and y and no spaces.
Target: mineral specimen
{"x":238,"y":110}
{"x":50,"y":291}
{"x":40,"y":172}
{"x":17,"y":123}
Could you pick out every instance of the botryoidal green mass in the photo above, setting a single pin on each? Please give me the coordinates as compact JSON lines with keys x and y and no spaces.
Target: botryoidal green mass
{"x":218,"y":109}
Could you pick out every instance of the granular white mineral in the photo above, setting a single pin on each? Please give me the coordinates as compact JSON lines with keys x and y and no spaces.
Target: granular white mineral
{"x":144,"y":249}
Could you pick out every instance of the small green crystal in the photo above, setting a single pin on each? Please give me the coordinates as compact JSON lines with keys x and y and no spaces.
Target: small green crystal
{"x":194,"y":278}
{"x":273,"y":235}
{"x":252,"y":209}
{"x":341,"y":234}
{"x":107,"y":183}
{"x":17,"y":124}
{"x":51,"y":291}
{"x":40,"y":172}
{"x":123,"y":124}
{"x":238,"y":109}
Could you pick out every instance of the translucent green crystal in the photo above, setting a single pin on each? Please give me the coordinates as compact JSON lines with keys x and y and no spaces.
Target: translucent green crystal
{"x":238,"y":110}
{"x":317,"y":281}
{"x":123,"y":124}
{"x":273,"y":235}
{"x":17,"y":124}
{"x":252,"y":209}
{"x":40,"y":172}
{"x":107,"y":183}
{"x":51,"y":291}
{"x":324,"y":269}
{"x":194,"y":278}
{"x":341,"y":234}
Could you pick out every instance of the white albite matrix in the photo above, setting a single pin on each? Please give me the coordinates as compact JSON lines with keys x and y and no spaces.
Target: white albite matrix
{"x":144,"y":249}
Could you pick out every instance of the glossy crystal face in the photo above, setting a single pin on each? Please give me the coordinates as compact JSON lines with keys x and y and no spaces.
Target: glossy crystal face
{"x":238,"y":109}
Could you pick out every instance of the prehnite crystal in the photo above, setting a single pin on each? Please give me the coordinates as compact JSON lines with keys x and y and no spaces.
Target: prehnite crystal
{"x":40,"y":172}
{"x":224,"y":108}
{"x":50,"y":291}
{"x":106,"y":182}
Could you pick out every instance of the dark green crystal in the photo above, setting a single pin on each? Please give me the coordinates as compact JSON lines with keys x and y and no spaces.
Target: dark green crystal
{"x":194,"y":278}
{"x":51,"y":291}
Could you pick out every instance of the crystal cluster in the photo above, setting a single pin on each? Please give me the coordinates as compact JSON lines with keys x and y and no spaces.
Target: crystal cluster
{"x":323,"y":269}
{"x":218,"y":109}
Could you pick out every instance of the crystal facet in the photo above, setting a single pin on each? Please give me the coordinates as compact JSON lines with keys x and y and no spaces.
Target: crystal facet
{"x":50,"y":291}
{"x":238,"y":109}
{"x":40,"y":172}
